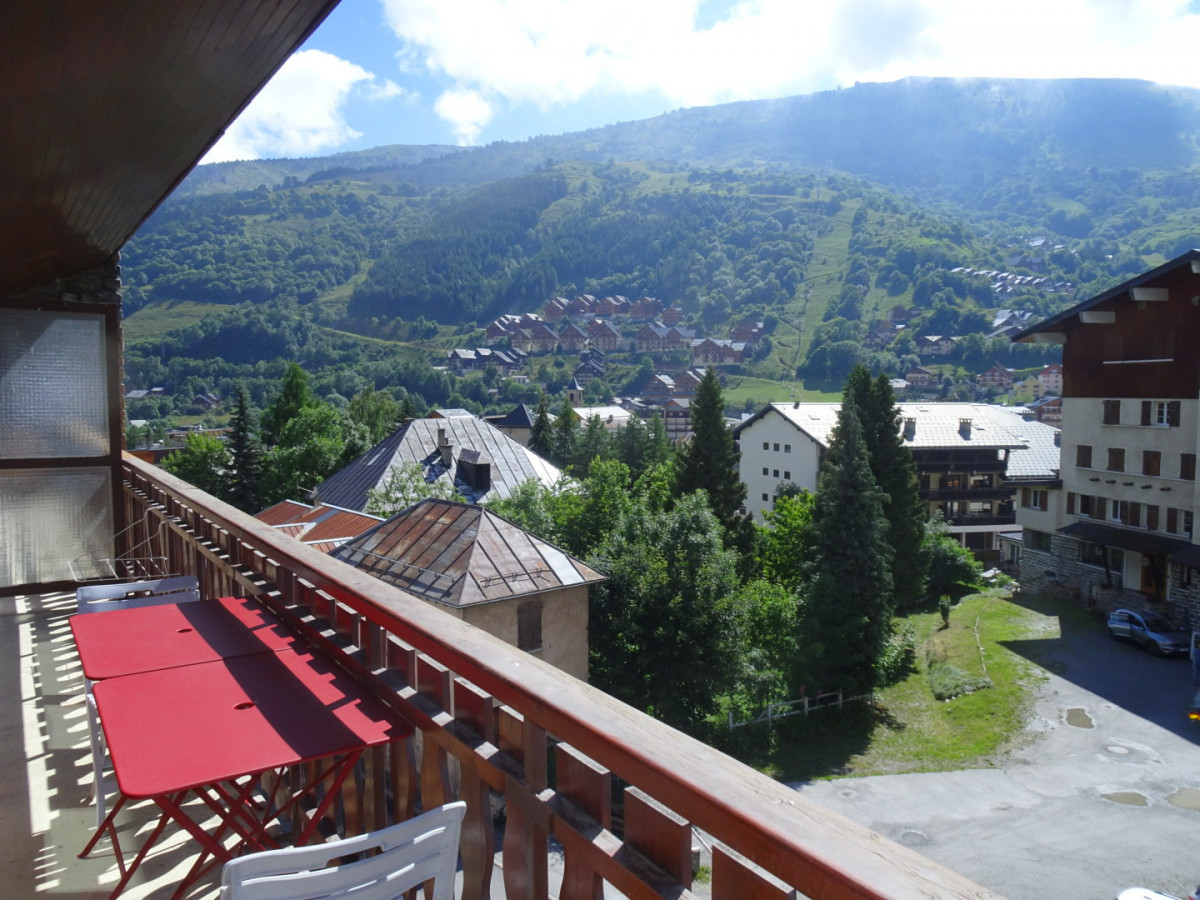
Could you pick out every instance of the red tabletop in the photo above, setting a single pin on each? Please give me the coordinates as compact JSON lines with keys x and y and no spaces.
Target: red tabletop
{"x":173,"y":729}
{"x":124,"y":641}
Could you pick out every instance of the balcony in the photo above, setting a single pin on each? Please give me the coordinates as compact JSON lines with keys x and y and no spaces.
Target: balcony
{"x":537,"y":756}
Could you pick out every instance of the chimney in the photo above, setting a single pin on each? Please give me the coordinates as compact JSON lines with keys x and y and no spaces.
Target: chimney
{"x":910,"y":427}
{"x":445,"y":447}
{"x":964,"y":428}
{"x":1058,"y":439}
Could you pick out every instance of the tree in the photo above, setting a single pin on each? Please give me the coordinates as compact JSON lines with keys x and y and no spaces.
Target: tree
{"x":245,"y":456}
{"x":314,"y":444}
{"x":593,"y":443}
{"x":786,"y":547}
{"x":564,"y":435}
{"x":952,"y":567}
{"x":204,"y":462}
{"x":404,"y":485}
{"x":895,"y":473}
{"x":540,"y":434}
{"x":294,"y":394}
{"x":375,"y":411}
{"x":709,"y":463}
{"x":661,"y":627}
{"x":850,"y":596}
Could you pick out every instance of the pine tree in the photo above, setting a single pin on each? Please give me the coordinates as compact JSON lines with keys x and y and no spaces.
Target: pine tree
{"x":565,"y":435}
{"x":849,"y":608}
{"x":539,"y":435}
{"x":896,"y":475}
{"x":245,"y":455}
{"x":295,"y":393}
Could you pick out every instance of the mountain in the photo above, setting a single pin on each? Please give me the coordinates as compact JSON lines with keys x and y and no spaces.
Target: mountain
{"x":818,"y":213}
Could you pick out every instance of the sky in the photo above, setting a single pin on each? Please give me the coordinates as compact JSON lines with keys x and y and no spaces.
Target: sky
{"x":469,"y":72}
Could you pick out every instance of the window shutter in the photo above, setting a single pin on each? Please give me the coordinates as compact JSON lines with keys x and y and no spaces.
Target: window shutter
{"x":1101,"y":508}
{"x":1172,"y":519}
{"x":1070,"y":503}
{"x":1146,"y":412}
{"x":1173,"y":413}
{"x":1135,"y":514}
{"x":1151,"y":517}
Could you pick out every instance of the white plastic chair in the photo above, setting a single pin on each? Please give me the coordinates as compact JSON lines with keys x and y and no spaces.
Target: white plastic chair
{"x":409,"y":854}
{"x":104,"y":598}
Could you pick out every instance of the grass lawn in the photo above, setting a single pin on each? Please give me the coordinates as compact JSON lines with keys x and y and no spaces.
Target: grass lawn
{"x":908,"y":729}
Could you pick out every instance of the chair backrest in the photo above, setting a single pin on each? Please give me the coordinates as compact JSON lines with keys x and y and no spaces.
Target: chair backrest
{"x":409,"y":854}
{"x":130,"y":594}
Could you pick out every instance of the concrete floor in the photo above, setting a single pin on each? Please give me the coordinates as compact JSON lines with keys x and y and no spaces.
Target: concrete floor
{"x":46,"y":813}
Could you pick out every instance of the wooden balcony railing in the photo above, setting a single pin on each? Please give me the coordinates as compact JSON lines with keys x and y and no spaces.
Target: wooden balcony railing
{"x":515,"y":737}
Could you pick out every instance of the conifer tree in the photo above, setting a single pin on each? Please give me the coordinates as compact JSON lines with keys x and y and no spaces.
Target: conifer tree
{"x":539,"y":435}
{"x":295,"y":393}
{"x":565,"y":435}
{"x":245,"y":455}
{"x":896,"y":475}
{"x":849,"y":609}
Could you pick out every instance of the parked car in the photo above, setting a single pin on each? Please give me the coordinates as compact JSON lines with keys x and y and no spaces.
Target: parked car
{"x":1150,"y":629}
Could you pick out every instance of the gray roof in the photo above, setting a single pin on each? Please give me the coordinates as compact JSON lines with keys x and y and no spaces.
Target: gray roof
{"x":417,"y":442}
{"x":459,"y":555}
{"x":1034,"y":451}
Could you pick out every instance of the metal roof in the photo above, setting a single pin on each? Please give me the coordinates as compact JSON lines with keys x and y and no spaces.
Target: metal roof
{"x":417,"y":442}
{"x":460,"y":555}
{"x":107,"y":106}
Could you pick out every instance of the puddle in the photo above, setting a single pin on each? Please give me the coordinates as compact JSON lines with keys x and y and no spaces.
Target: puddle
{"x":1130,"y":798}
{"x":1186,"y":798}
{"x":1079,"y":717}
{"x":912,"y":838}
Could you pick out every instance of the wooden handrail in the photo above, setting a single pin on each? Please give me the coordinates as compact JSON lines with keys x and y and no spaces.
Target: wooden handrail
{"x":484,"y":711}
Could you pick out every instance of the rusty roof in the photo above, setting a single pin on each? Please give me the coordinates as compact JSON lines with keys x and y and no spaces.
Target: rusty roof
{"x":460,"y":555}
{"x":283,"y":512}
{"x":107,"y":106}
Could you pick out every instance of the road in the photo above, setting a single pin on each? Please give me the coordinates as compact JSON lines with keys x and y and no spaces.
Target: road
{"x":1103,"y":792}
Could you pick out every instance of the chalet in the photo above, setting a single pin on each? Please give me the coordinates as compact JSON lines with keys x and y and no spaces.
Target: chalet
{"x":572,"y":338}
{"x":645,"y":308}
{"x":487,"y":571}
{"x":996,"y":377}
{"x":437,"y":445}
{"x":969,"y":458}
{"x":613,"y":417}
{"x":542,"y":339}
{"x":517,"y":423}
{"x":555,"y":309}
{"x":1051,"y":378}
{"x":1118,"y":529}
{"x":687,"y":383}
{"x":672,"y":315}
{"x":658,"y":388}
{"x":919,"y":376}
{"x":652,"y":338}
{"x":934,"y":344}
{"x":1048,"y":410}
{"x":677,"y":418}
{"x":718,"y":352}
{"x":603,"y":336}
{"x":747,"y":331}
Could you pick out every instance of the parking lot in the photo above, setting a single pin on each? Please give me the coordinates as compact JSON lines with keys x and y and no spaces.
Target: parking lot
{"x":1102,"y":793}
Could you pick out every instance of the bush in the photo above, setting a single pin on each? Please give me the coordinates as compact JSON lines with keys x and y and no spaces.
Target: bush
{"x":947,"y":681}
{"x":897,"y":657}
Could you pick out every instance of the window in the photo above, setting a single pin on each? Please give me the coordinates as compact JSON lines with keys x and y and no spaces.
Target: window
{"x":775,"y":473}
{"x":1152,"y":518}
{"x":1094,"y":555}
{"x":765,"y":470}
{"x":1160,"y":413}
{"x":765,"y":498}
{"x":529,"y":626}
{"x":787,"y":475}
{"x":1187,"y":522}
{"x":787,"y":448}
{"x":776,"y":448}
{"x":1118,"y":510}
{"x":766,"y":445}
{"x":1034,"y":498}
{"x":1151,"y":462}
{"x":1116,"y":459}
{"x":1083,"y":456}
{"x":1187,"y":466}
{"x":953,"y":482}
{"x":1112,"y":412}
{"x":1036,"y":540}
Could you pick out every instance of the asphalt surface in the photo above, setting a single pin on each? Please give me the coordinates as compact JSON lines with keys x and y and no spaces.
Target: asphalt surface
{"x":1102,"y":794}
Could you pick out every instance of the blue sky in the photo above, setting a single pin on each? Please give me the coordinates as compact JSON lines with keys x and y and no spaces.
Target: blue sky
{"x":476,"y":71}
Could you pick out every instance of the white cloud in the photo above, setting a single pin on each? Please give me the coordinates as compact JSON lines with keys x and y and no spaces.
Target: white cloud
{"x":549,"y":53}
{"x":300,"y":111}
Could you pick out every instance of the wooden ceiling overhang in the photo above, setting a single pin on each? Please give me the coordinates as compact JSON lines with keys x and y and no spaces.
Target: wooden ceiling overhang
{"x":108,"y":105}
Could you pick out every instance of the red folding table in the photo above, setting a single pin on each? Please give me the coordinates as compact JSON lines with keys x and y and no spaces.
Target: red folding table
{"x":216,"y":728}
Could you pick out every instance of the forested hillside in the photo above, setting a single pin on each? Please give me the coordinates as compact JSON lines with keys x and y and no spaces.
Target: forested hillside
{"x":816,"y":215}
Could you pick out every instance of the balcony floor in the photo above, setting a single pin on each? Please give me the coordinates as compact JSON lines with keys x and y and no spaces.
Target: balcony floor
{"x":46,"y":812}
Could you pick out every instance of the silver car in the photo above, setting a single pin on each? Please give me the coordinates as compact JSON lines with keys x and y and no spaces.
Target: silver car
{"x":1149,"y":629}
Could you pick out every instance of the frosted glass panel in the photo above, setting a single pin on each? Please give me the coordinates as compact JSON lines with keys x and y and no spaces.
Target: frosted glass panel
{"x":53,"y":385}
{"x":49,"y":517}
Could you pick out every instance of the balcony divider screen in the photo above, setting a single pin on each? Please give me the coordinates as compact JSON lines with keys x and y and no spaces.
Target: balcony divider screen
{"x":60,"y":421}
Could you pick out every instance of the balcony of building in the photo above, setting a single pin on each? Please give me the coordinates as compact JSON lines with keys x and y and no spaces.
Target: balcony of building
{"x":570,"y":793}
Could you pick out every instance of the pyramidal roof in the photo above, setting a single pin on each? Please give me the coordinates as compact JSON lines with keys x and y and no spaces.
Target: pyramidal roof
{"x":459,"y":555}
